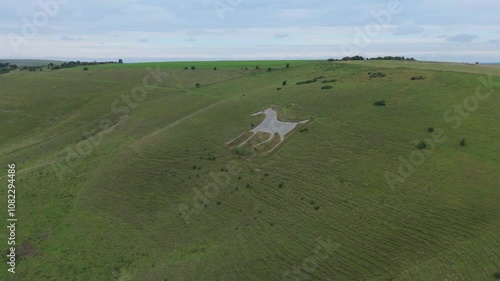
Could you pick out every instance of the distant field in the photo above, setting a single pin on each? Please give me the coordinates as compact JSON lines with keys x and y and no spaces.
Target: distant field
{"x":112,"y":187}
{"x":454,"y":67}
{"x":30,"y":62}
{"x":207,"y":64}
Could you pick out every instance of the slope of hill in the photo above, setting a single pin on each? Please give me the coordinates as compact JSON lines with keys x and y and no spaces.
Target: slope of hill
{"x":118,"y":181}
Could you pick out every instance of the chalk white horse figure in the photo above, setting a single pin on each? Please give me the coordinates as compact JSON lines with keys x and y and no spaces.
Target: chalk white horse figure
{"x":271,"y":125}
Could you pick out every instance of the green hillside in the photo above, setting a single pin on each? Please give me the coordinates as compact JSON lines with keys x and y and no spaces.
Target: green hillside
{"x":119,"y":181}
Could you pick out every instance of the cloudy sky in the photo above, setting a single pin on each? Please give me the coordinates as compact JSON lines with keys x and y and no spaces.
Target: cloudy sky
{"x":149,"y":30}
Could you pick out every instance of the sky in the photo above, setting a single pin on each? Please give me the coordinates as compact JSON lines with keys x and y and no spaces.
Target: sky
{"x":165,"y":30}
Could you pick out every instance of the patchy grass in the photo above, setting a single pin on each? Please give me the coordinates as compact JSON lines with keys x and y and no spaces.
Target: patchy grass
{"x":114,"y":214}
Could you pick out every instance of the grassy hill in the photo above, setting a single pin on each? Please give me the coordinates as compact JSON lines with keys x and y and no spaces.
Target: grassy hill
{"x":121,"y":182}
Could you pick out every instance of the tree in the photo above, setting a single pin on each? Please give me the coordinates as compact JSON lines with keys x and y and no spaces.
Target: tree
{"x":120,"y":61}
{"x":257,"y":67}
{"x":288,"y":65}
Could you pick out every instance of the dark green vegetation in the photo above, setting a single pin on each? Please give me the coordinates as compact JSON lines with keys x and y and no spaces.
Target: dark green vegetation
{"x":29,"y":63}
{"x":361,"y":58}
{"x":422,"y":145}
{"x":113,"y":213}
{"x":329,"y":81}
{"x":376,"y":75}
{"x":7,"y":67}
{"x":417,"y":78}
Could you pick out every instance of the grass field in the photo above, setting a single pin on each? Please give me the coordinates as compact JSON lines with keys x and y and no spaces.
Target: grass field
{"x":116,"y":187}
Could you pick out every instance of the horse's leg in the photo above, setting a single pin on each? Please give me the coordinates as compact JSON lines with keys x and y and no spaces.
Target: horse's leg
{"x":275,"y":147}
{"x":248,"y":139}
{"x":235,"y":138}
{"x":266,"y":141}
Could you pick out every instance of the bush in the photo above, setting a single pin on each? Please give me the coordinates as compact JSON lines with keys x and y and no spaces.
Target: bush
{"x":377,"y":75}
{"x":307,"y":82}
{"x":284,"y":83}
{"x":379,"y":103}
{"x":430,"y":130}
{"x":186,"y":68}
{"x":329,"y":81}
{"x":85,"y":69}
{"x":422,"y":145}
{"x":316,"y":208}
{"x":215,"y":68}
{"x":269,"y":69}
{"x":287,"y":65}
{"x":242,"y":150}
{"x":257,"y":67}
{"x":462,"y":143}
{"x":279,"y":89}
{"x":417,"y":78}
{"x":193,"y":67}
{"x":326,"y":87}
{"x":197,"y":85}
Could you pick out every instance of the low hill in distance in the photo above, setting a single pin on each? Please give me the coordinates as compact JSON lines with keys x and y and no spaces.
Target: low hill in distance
{"x":29,"y":62}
